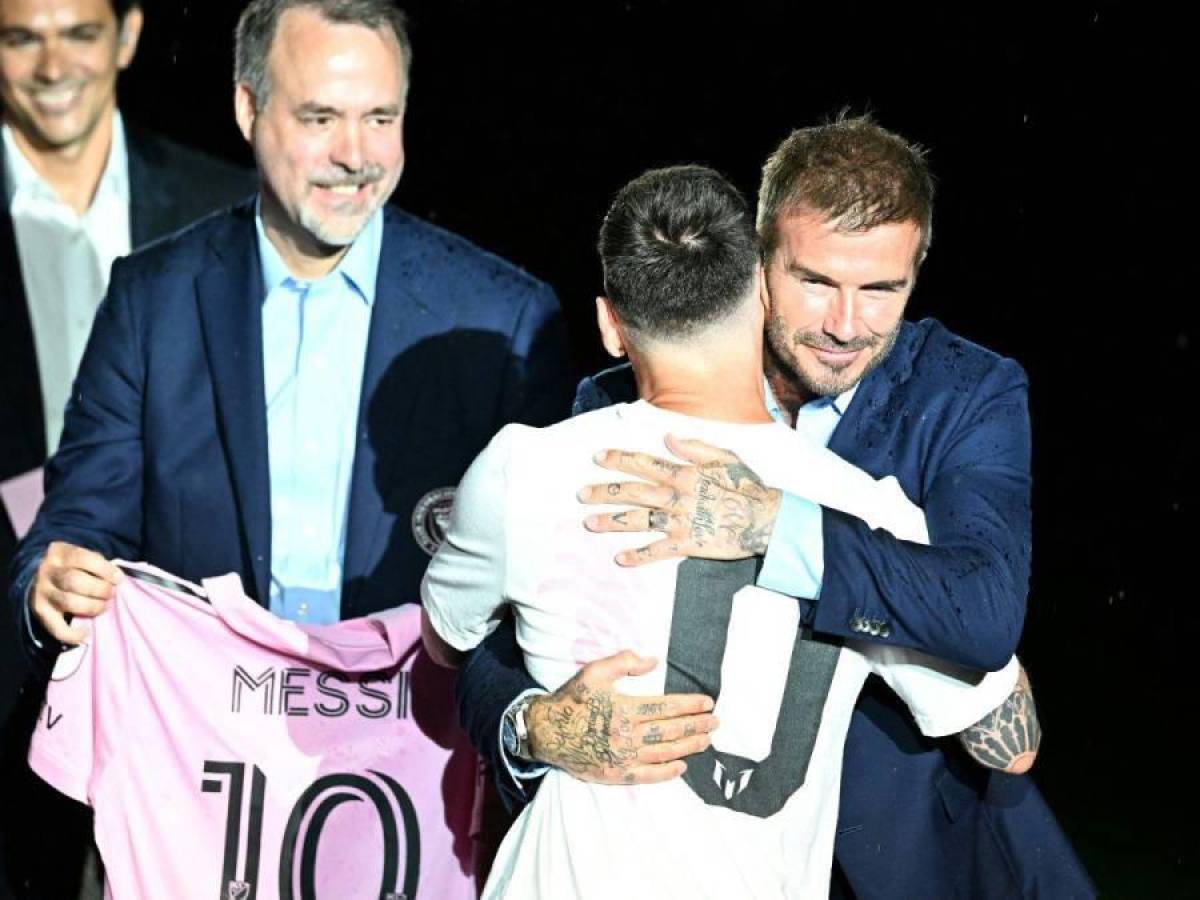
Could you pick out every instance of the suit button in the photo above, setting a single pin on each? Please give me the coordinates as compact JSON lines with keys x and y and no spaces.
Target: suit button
{"x":885,"y":630}
{"x":856,"y":624}
{"x":874,"y":628}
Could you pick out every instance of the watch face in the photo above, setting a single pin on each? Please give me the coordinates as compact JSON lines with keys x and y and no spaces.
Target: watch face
{"x":508,"y":733}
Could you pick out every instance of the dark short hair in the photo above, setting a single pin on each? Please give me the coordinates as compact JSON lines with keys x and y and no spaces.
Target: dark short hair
{"x":259,"y":21}
{"x":851,"y":171}
{"x":121,"y":7}
{"x":679,"y":251}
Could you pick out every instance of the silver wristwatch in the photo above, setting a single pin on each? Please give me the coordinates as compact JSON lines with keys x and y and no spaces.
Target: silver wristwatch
{"x":516,"y":730}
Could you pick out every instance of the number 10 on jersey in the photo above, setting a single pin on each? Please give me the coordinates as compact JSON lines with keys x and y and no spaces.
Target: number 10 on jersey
{"x":305,"y":828}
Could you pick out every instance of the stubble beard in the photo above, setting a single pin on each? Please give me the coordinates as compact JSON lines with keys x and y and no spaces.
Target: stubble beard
{"x":821,"y":380}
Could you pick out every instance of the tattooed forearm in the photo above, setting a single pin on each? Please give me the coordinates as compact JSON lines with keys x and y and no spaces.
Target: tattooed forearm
{"x":1008,"y":737}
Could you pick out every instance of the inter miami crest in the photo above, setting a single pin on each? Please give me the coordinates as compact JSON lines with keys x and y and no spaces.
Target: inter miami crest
{"x":431,"y":518}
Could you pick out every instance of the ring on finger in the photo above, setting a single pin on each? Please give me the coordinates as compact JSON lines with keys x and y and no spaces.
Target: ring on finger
{"x":659,"y":520}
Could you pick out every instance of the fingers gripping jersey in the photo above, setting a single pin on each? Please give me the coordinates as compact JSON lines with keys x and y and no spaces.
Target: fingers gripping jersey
{"x":230,"y":754}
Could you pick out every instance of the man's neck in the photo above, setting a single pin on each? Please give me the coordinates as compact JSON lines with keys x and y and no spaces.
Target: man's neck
{"x":788,"y":393}
{"x":73,"y":172}
{"x":696,"y":384}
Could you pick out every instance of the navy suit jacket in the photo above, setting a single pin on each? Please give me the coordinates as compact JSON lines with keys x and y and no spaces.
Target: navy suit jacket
{"x":950,"y":421}
{"x":164,"y":450}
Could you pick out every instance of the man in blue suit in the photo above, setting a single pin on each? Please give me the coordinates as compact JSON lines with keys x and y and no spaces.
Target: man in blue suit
{"x":290,"y":390}
{"x":949,"y":420}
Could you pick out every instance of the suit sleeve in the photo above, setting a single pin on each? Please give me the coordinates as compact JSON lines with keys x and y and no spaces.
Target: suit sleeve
{"x":94,"y":481}
{"x":963,"y":597}
{"x":492,"y":678}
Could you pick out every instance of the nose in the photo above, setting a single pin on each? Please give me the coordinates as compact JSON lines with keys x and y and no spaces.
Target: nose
{"x":347,"y":148}
{"x":839,"y":318}
{"x":51,"y":65}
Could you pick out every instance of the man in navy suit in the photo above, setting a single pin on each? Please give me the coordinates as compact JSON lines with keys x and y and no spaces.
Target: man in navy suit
{"x":290,"y":390}
{"x":845,"y":215}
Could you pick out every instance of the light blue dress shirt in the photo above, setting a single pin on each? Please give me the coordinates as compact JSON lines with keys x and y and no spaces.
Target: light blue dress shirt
{"x":314,"y":347}
{"x":795,"y":559}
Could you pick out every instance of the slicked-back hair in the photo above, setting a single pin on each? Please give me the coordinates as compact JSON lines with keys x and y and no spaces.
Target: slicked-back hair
{"x":853,"y":173}
{"x":259,"y":22}
{"x":679,"y":251}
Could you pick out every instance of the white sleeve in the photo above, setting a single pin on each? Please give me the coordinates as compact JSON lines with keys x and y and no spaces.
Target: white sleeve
{"x":942,"y":697}
{"x":464,"y":587}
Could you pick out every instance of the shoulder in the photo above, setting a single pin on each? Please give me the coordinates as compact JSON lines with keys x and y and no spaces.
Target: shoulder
{"x":441,"y":260}
{"x":211,"y":181}
{"x":183,"y":253}
{"x":932,"y":356}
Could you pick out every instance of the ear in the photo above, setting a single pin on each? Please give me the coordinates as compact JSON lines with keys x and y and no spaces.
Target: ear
{"x":128,"y":35}
{"x":245,"y":109}
{"x":610,"y":328}
{"x":764,"y":294}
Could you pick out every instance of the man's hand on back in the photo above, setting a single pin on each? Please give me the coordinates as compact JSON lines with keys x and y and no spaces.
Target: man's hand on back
{"x":71,"y":581}
{"x":597,"y":734}
{"x":715,"y":509}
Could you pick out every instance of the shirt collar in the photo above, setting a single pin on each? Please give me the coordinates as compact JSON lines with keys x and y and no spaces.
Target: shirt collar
{"x":840,"y":403}
{"x":20,"y":175}
{"x":359,"y":267}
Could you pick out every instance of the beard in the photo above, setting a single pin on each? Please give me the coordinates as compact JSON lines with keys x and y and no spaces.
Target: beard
{"x":337,"y":234}
{"x":814,"y":378}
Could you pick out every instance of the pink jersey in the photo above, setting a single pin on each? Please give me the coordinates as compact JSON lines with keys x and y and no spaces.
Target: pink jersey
{"x":231,"y":754}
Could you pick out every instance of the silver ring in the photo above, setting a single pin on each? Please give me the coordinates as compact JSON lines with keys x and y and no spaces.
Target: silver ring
{"x":659,"y":520}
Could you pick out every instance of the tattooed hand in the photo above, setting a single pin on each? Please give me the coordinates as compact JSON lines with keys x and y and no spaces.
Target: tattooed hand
{"x":1008,"y":737}
{"x":715,"y":509}
{"x":596,"y":734}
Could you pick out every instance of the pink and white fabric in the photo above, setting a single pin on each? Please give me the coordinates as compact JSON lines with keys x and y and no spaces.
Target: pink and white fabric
{"x":229,"y":753}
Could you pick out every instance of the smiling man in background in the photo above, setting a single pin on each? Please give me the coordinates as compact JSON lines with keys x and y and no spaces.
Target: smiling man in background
{"x":82,"y":187}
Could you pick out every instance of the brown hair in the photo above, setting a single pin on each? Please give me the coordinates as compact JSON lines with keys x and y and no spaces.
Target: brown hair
{"x":259,"y":21}
{"x":854,"y":173}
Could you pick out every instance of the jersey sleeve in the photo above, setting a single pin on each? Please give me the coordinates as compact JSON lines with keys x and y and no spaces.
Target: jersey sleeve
{"x":463,"y":589}
{"x":943,"y":698}
{"x":63,"y":744}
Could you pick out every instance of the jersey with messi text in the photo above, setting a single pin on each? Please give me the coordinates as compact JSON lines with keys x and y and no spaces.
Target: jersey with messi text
{"x":231,"y":754}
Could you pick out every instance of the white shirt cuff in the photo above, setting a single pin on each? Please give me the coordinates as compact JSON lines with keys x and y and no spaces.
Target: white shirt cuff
{"x":519,"y":770}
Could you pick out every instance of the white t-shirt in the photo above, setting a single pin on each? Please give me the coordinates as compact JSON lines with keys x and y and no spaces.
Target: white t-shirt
{"x":755,"y":815}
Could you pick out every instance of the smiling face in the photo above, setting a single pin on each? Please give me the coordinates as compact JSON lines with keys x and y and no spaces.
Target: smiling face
{"x":836,"y":301}
{"x":328,"y":139}
{"x":59,"y":61}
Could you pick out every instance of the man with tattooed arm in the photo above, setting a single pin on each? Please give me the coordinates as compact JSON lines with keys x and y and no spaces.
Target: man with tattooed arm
{"x":754,"y":814}
{"x":949,"y":420}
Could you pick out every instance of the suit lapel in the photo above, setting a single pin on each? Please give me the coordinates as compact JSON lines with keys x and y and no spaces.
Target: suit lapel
{"x":868,"y":418}
{"x":398,"y":318}
{"x":229,"y":292}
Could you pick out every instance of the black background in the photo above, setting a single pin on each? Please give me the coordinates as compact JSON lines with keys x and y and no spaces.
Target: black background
{"x":1058,"y":135}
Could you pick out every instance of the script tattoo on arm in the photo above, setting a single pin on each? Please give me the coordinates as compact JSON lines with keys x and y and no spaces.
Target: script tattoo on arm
{"x":1009,"y":736}
{"x":733,"y":508}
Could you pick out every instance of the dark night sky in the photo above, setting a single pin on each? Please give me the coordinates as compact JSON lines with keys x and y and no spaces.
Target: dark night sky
{"x":1056,"y":137}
